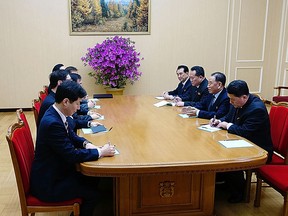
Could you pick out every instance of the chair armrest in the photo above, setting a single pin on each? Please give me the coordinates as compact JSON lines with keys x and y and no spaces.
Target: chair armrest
{"x":279,"y":89}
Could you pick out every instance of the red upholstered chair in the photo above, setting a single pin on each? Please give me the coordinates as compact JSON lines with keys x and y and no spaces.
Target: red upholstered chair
{"x":22,"y":162}
{"x":280,"y":98}
{"x":279,"y":132}
{"x":278,"y":116}
{"x":43,"y":94}
{"x":45,"y":89}
{"x":277,"y":177}
{"x":36,"y":104}
{"x":270,"y":173}
{"x":29,"y":140}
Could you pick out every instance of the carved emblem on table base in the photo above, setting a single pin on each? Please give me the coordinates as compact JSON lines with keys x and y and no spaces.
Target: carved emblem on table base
{"x":166,"y":188}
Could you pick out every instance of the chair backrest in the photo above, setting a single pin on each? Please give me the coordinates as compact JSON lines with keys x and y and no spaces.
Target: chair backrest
{"x":29,"y":140}
{"x":279,"y":130}
{"x":45,"y":89}
{"x":36,"y":104}
{"x":43,"y":94}
{"x":21,"y":159}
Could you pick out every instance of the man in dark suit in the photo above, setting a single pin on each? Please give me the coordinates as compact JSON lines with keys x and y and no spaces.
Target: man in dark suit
{"x":55,"y":78}
{"x":183,"y":87}
{"x":247,"y":117}
{"x":198,"y":92}
{"x":78,"y":121}
{"x":54,"y":176}
{"x":217,"y":103}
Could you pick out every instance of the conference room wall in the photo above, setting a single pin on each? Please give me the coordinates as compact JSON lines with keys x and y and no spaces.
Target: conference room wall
{"x":245,"y":39}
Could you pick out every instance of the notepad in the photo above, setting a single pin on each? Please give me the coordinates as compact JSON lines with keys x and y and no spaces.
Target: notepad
{"x":186,"y":116}
{"x":235,"y":143}
{"x":98,"y":128}
{"x":116,"y":152}
{"x":101,"y":117}
{"x":160,"y":97}
{"x":97,"y":107}
{"x":87,"y":131}
{"x":164,"y":103}
{"x":208,"y":128}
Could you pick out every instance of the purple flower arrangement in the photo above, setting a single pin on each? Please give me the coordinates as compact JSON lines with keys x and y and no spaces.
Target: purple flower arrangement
{"x":114,"y":61}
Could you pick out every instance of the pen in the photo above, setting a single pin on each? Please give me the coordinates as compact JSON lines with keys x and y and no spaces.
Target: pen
{"x":214,"y":118}
{"x":231,"y":139}
{"x":110,"y":128}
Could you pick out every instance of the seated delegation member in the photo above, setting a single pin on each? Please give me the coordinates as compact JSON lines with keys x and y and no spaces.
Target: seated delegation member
{"x":55,"y":78}
{"x":217,"y":103}
{"x":85,"y":104}
{"x":247,"y":117}
{"x":183,"y":87}
{"x":54,"y":177}
{"x":198,"y":92}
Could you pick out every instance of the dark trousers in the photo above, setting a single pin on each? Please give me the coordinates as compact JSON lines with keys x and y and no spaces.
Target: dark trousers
{"x":235,"y":182}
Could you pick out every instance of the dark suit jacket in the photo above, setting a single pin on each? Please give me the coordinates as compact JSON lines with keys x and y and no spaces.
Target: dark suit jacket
{"x":79,"y":121}
{"x":199,"y":94}
{"x":182,"y":91}
{"x":251,"y":122}
{"x":220,"y":107}
{"x":53,"y":174}
{"x":49,"y":100}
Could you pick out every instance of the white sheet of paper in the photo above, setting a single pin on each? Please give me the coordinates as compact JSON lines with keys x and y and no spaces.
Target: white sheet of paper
{"x":160,"y":97}
{"x":235,"y":143}
{"x":87,"y":130}
{"x":101,"y":117}
{"x":164,"y":103}
{"x":161,"y":103}
{"x":116,"y":152}
{"x":186,"y":116}
{"x":209,"y":128}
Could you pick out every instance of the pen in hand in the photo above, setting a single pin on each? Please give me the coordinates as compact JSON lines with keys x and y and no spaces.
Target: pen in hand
{"x":213,"y":120}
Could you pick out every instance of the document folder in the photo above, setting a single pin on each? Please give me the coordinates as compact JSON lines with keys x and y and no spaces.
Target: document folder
{"x":102,"y":96}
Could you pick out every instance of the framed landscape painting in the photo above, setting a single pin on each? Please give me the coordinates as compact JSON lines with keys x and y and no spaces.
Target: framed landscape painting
{"x":92,"y":17}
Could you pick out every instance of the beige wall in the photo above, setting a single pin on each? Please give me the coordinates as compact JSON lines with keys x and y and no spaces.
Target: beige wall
{"x":246,"y":39}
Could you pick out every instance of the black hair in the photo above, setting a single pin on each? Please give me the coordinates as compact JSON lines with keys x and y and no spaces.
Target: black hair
{"x":71,"y":90}
{"x":57,"y":67}
{"x":238,"y":88}
{"x":219,"y":77}
{"x":75,"y":76}
{"x":199,"y":71}
{"x":56,"y":76}
{"x":185,"y":68}
{"x":70,"y":69}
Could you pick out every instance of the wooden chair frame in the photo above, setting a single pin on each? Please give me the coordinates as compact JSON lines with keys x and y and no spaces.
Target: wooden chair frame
{"x":279,"y":88}
{"x":27,"y":209}
{"x":35,"y":111}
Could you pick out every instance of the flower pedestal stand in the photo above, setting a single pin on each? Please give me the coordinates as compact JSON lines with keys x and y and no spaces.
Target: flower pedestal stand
{"x":115,"y":91}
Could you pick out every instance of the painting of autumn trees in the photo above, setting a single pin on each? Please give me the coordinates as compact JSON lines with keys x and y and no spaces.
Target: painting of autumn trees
{"x":109,"y":16}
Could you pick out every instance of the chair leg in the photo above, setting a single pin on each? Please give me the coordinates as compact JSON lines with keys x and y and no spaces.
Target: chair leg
{"x":76,"y":209}
{"x":258,"y":192}
{"x":248,"y":186}
{"x":285,"y":206}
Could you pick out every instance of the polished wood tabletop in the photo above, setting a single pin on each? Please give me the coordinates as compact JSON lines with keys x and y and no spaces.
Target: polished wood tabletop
{"x":154,"y":139}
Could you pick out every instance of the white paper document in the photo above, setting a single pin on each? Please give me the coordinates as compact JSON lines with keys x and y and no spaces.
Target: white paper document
{"x":235,"y":143}
{"x":186,"y":116}
{"x":208,"y":128}
{"x":97,"y":107}
{"x":160,"y":97}
{"x":164,"y":103}
{"x":87,"y":130}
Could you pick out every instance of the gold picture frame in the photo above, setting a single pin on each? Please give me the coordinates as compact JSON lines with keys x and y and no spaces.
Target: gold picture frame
{"x":109,"y":17}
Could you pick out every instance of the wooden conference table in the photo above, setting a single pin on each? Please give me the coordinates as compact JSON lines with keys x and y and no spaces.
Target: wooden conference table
{"x":166,"y":165}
